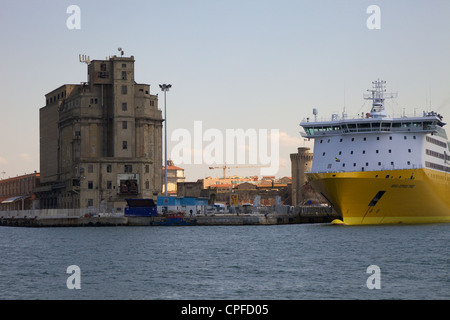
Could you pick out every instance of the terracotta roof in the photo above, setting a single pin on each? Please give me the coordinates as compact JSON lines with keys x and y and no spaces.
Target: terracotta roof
{"x":223,"y":185}
{"x":173,"y":168}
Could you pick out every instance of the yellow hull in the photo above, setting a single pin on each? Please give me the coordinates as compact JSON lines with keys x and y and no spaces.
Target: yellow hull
{"x":386,"y":197}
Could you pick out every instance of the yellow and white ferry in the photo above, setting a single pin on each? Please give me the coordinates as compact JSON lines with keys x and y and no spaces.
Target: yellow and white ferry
{"x":380,"y":170}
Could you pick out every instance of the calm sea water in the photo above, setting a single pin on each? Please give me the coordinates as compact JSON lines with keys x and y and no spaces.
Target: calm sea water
{"x":311,"y":261}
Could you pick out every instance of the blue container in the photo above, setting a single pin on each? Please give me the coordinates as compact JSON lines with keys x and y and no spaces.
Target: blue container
{"x":140,"y":208}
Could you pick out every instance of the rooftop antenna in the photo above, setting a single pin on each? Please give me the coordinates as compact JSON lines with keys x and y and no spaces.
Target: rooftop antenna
{"x":84,"y":58}
{"x":121,"y":51}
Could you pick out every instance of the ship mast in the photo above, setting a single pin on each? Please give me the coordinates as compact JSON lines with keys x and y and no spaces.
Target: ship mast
{"x":377,"y":96}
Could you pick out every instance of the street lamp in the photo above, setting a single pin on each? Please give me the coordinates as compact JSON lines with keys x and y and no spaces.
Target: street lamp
{"x":165,"y":88}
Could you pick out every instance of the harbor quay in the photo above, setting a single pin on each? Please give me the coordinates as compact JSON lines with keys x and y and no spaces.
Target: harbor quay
{"x":73,"y":218}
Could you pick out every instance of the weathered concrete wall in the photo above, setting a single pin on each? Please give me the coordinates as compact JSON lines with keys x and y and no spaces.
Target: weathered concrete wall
{"x":67,"y":218}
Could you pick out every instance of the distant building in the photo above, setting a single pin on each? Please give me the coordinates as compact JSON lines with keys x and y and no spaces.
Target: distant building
{"x":100,"y":141}
{"x":17,"y":193}
{"x":174,"y":176}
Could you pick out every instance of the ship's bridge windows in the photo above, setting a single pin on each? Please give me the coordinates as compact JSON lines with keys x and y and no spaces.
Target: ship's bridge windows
{"x":351,"y":127}
{"x":427,"y":125}
{"x":364,"y":127}
{"x":385,"y":126}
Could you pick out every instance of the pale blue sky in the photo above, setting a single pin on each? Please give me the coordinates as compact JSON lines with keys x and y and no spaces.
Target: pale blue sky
{"x":232,"y":64}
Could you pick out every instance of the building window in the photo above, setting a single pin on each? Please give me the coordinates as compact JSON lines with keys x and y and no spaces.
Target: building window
{"x":103,"y":67}
{"x":147,"y":168}
{"x":109,"y":168}
{"x":90,"y":168}
{"x":124,"y":125}
{"x":128,"y":168}
{"x":108,"y":184}
{"x":124,"y":65}
{"x":124,"y":75}
{"x":124,"y":106}
{"x":147,"y":184}
{"x":90,"y":202}
{"x":90,"y":185}
{"x":124,"y":89}
{"x":124,"y":145}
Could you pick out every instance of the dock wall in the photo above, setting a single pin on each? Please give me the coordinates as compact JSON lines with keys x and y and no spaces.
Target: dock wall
{"x":77,"y":218}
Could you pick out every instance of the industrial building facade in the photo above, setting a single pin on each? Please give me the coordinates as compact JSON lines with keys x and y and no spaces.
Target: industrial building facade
{"x":100,"y":141}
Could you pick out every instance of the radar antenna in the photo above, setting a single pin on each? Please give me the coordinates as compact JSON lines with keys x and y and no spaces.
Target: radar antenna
{"x":377,"y":95}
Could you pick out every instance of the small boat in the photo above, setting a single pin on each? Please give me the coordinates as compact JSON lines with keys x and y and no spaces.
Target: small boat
{"x":175,"y":219}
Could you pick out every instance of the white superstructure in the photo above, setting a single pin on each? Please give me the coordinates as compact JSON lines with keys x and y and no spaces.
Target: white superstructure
{"x":377,"y":142}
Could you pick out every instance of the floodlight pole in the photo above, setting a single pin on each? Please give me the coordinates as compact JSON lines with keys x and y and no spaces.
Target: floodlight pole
{"x":165,"y":88}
